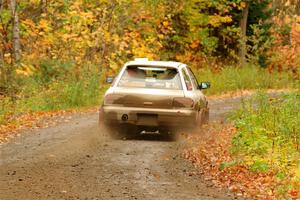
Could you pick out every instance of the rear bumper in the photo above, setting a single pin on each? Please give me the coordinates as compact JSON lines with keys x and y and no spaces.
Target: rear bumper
{"x":148,"y":116}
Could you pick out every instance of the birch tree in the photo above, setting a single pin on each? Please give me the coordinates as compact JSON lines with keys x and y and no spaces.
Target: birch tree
{"x":15,"y":31}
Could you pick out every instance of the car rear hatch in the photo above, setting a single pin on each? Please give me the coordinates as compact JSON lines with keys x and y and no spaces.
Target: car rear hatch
{"x":146,"y":98}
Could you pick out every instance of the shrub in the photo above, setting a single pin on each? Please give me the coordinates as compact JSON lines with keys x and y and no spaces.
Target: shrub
{"x":247,"y":78}
{"x":62,"y":90}
{"x":269,"y":133}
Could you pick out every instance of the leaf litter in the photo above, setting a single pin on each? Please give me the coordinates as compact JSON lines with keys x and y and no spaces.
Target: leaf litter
{"x":209,"y":151}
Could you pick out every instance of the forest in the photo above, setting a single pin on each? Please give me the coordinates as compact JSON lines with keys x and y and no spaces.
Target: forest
{"x":55,"y":55}
{"x":45,"y":42}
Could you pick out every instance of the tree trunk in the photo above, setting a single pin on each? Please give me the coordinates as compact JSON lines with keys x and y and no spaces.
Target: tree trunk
{"x":243,"y":26}
{"x":1,"y":4}
{"x":43,"y":6}
{"x":15,"y":31}
{"x":276,"y":4}
{"x":1,"y":37}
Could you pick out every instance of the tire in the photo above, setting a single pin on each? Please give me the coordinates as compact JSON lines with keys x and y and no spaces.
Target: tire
{"x":202,"y":118}
{"x":107,"y":129}
{"x":205,"y":119}
{"x":170,"y":135}
{"x":199,"y":120}
{"x":129,"y":131}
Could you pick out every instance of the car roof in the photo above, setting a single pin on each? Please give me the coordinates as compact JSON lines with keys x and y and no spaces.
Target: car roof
{"x":146,"y":62}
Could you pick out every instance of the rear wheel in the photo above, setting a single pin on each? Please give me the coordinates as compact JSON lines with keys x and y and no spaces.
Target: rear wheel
{"x":203,"y":117}
{"x":109,"y":129}
{"x":106,"y":128}
{"x":119,"y":131}
{"x":128,"y":131}
{"x":169,"y":134}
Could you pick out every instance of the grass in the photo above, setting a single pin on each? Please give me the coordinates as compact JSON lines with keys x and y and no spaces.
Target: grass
{"x":232,"y":79}
{"x":62,"y":85}
{"x":57,"y":86}
{"x":268,"y":137}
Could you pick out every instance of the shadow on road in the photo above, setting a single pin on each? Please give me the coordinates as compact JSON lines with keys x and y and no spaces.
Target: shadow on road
{"x":149,"y":137}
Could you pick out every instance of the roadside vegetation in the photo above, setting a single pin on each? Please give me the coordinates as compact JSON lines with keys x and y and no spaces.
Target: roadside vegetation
{"x":268,"y":137}
{"x":269,"y":128}
{"x":257,"y":154}
{"x":234,"y":79}
{"x":55,"y":55}
{"x":55,"y":87}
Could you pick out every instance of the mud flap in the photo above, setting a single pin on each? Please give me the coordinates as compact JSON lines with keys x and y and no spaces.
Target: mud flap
{"x":203,"y":117}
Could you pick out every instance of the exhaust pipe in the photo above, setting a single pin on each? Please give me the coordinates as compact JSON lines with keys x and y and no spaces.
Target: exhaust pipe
{"x":124,"y":117}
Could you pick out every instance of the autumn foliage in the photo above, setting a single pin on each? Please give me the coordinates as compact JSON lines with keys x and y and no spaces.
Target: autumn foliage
{"x":55,"y":55}
{"x":211,"y":152}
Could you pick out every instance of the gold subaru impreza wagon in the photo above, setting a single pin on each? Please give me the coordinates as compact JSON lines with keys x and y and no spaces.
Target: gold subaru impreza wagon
{"x":153,"y":96}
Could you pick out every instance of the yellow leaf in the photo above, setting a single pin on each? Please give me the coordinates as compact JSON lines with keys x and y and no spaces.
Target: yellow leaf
{"x":7,"y":55}
{"x":166,"y":23}
{"x":21,"y":72}
{"x":195,"y":44}
{"x":161,"y":36}
{"x":243,"y":4}
{"x":44,"y":25}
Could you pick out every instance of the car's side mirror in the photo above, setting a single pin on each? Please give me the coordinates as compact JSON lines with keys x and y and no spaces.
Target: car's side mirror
{"x":110,"y":79}
{"x":204,"y":85}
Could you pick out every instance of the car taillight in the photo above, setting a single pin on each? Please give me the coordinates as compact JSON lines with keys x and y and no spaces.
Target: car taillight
{"x":182,"y":102}
{"x":113,"y":99}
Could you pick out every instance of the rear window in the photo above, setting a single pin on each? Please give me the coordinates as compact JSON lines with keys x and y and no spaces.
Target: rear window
{"x":150,"y":77}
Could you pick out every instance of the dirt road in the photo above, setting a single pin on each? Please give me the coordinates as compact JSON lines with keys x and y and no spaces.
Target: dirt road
{"x":75,"y":160}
